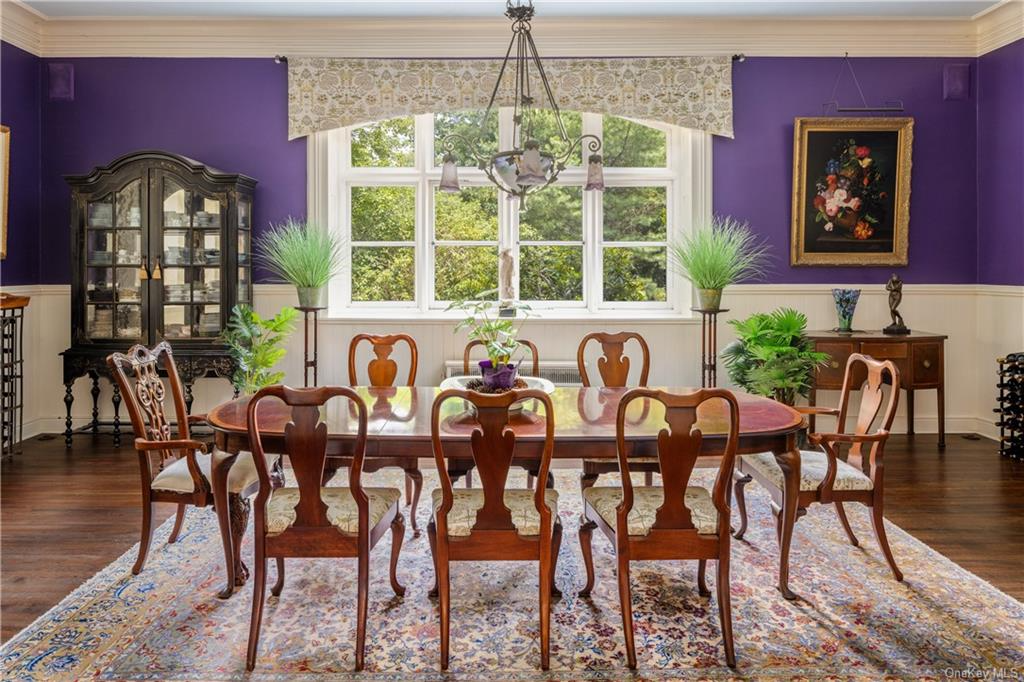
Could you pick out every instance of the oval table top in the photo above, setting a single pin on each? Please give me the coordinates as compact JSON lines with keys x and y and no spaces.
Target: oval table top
{"x":582,"y":415}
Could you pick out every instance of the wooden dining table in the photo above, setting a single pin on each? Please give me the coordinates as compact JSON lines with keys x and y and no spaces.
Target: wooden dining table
{"x":399,"y":426}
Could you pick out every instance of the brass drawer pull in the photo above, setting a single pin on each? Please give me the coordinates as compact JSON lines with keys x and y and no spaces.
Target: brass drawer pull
{"x":927,"y":363}
{"x":834,"y":365}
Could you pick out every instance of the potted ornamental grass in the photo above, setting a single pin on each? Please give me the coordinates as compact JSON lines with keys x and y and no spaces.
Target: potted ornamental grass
{"x":498,"y":330}
{"x":303,"y":255}
{"x":772,"y":355}
{"x":719,"y":253}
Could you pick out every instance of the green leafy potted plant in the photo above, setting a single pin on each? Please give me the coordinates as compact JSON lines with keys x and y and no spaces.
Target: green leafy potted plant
{"x":255,"y":344}
{"x":498,"y":334}
{"x":772,"y":356}
{"x":301,"y":254}
{"x":718,"y":254}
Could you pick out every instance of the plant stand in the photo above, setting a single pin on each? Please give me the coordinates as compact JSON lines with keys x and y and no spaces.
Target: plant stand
{"x":709,"y":345}
{"x":307,"y":363}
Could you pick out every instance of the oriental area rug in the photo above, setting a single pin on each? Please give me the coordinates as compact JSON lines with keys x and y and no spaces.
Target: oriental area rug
{"x":852,"y":621}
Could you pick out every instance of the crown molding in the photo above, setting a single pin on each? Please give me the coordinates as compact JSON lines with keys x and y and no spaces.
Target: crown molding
{"x":484,"y":37}
{"x":21,"y":26}
{"x":1000,"y":26}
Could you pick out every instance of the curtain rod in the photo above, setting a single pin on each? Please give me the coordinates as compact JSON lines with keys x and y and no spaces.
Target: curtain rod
{"x":281,"y":59}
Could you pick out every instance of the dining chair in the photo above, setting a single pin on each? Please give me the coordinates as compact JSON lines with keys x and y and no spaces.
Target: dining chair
{"x":613,"y":367}
{"x":825,"y":477}
{"x":313,"y":521}
{"x":382,"y":371}
{"x":669,"y":522}
{"x":492,"y":522}
{"x":531,"y":470}
{"x":181,"y":463}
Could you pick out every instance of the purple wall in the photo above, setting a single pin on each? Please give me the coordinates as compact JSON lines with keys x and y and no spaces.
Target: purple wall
{"x":232,"y":114}
{"x":753,"y":173}
{"x":1001,"y":166}
{"x":19,"y":109}
{"x":228,"y":113}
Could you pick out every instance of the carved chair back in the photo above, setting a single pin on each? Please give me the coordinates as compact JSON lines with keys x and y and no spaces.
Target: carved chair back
{"x":613,"y":365}
{"x":493,"y":444}
{"x":137,"y":373}
{"x":382,"y":370}
{"x":679,"y":446}
{"x":305,"y":445}
{"x":879,"y":372}
{"x":477,"y":342}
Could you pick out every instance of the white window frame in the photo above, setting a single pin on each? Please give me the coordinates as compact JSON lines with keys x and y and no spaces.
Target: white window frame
{"x":687,"y":180}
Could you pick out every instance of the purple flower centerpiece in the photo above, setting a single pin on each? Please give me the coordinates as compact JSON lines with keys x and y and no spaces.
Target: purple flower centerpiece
{"x":496,"y":327}
{"x":846,"y":303}
{"x":499,"y":377}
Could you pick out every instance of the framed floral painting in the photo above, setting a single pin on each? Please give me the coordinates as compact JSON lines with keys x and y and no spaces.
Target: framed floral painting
{"x":851,"y":191}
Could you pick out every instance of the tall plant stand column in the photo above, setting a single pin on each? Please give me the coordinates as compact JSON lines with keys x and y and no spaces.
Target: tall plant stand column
{"x":709,"y":346}
{"x":12,"y":371}
{"x":308,"y":363}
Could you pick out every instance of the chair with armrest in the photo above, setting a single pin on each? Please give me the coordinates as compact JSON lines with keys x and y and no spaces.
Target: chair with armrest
{"x":182,"y":463}
{"x":825,"y":477}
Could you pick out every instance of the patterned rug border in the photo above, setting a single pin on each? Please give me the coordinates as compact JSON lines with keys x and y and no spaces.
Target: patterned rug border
{"x":121,"y":564}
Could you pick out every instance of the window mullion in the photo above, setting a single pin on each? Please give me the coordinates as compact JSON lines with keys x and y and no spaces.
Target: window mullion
{"x":424,"y":212}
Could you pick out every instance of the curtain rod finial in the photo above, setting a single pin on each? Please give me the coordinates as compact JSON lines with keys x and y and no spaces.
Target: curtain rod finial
{"x":280,"y":59}
{"x":739,"y":57}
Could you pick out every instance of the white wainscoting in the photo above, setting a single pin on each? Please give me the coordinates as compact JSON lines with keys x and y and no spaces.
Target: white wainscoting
{"x":982,"y":322}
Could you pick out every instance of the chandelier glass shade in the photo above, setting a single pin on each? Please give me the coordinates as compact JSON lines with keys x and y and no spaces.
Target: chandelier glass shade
{"x":528,"y":166}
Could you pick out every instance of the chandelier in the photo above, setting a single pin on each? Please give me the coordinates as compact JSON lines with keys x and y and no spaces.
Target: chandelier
{"x":527,"y":167}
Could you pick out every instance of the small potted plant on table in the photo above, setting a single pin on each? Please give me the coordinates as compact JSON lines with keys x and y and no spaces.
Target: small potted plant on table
{"x":499,"y":372}
{"x":303,"y":255}
{"x":717,"y":254}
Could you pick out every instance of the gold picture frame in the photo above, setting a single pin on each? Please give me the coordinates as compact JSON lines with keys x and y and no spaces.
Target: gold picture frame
{"x":851,"y":191}
{"x":5,"y":184}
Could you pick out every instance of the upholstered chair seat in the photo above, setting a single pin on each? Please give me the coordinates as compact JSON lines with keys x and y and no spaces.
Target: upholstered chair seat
{"x":813,"y":466}
{"x":646,"y":502}
{"x":176,"y":477}
{"x":466,"y":503}
{"x":342,"y":511}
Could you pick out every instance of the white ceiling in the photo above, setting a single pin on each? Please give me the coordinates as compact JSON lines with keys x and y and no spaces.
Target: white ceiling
{"x":950,"y":9}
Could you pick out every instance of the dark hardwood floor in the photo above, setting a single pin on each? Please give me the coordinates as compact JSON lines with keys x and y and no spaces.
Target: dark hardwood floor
{"x":67,"y":514}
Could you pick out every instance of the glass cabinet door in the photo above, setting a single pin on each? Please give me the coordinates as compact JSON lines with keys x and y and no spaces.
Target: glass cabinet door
{"x":114,"y":290}
{"x":191,"y":255}
{"x":244,"y":282}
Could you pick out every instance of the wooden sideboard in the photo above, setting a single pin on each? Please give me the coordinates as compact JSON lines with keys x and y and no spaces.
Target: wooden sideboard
{"x":920,"y":357}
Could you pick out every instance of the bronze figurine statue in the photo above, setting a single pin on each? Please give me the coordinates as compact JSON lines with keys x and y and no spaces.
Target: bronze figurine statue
{"x":895,"y":288}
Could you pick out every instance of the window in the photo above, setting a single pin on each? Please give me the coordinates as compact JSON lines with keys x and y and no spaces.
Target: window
{"x":416,"y":248}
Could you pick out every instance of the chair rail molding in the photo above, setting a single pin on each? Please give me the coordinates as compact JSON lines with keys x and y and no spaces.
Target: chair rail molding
{"x":477,"y":37}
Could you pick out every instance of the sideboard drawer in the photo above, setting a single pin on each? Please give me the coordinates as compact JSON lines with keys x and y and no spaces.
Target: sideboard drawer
{"x":830,"y":375}
{"x":927,"y":365}
{"x":886,"y":351}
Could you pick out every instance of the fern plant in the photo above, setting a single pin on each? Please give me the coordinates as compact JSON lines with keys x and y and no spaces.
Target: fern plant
{"x":772,"y":355}
{"x":255,"y":344}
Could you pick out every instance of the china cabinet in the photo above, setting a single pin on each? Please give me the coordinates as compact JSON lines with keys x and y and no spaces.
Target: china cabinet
{"x":161,"y":249}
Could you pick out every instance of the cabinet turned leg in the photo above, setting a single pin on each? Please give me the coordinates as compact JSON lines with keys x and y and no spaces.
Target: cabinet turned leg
{"x":116,"y":399}
{"x":95,"y":392}
{"x":812,"y":400}
{"x":69,"y":398}
{"x":189,"y":398}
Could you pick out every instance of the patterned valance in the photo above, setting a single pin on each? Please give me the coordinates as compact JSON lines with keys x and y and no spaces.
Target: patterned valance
{"x":326,"y":93}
